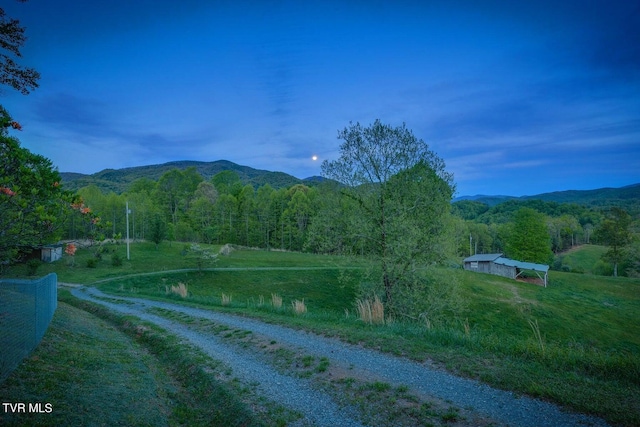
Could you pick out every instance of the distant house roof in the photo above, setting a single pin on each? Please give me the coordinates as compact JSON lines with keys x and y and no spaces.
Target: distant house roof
{"x":482,"y":257}
{"x":521,"y":264}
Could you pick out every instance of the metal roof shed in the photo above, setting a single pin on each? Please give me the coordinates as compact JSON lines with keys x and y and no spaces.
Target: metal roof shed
{"x":480,"y":263}
{"x":521,"y":266}
{"x":483,"y":257}
{"x":505,"y":267}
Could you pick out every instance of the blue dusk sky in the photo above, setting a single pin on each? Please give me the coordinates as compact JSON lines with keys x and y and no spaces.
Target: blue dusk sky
{"x":517,"y":97}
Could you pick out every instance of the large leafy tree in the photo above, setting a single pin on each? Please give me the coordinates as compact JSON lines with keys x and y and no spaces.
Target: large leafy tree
{"x":401,"y":194}
{"x":30,"y":193}
{"x":297,"y":215}
{"x":614,"y":232}
{"x":329,"y":229}
{"x":158,"y":229}
{"x":32,"y":201}
{"x":175,"y":190}
{"x":529,"y":237}
{"x":249,"y":229}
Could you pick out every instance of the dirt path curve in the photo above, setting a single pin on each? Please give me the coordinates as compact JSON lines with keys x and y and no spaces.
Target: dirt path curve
{"x":505,"y":408}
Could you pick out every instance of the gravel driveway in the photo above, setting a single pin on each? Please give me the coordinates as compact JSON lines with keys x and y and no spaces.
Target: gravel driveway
{"x":500,"y":407}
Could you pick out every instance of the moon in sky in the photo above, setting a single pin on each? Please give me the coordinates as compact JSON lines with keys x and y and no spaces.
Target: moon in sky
{"x":314,"y":158}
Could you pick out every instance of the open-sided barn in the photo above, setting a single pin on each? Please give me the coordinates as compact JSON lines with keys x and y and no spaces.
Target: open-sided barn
{"x":500,"y":266}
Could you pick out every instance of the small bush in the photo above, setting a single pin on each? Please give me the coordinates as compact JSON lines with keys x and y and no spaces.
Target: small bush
{"x":92,"y":262}
{"x":226,"y":249}
{"x":602,"y":268}
{"x":380,"y":386}
{"x":32,"y":266}
{"x":116,"y":260}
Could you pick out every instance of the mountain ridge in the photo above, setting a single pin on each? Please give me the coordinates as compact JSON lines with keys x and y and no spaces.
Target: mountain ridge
{"x":118,"y":180}
{"x":594,"y":196}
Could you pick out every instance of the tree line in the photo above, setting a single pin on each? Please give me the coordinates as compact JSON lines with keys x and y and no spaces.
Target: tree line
{"x":480,"y":228}
{"x":183,"y":206}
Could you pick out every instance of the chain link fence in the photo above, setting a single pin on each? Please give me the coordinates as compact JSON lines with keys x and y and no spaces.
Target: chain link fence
{"x":26,"y":309}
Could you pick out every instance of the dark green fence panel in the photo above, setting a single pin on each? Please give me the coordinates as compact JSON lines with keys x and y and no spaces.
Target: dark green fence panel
{"x":26,"y":309}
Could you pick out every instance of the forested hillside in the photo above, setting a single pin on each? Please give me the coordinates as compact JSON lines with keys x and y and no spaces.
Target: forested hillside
{"x":627,"y":197}
{"x":248,"y":207}
{"x":118,"y":180}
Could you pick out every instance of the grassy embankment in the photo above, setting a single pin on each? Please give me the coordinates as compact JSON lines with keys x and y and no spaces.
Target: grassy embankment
{"x":576,"y":343}
{"x":94,"y":367}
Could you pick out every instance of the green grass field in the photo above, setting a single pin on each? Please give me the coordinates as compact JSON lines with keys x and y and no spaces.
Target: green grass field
{"x":576,"y":342}
{"x":585,"y":258}
{"x":145,"y":258}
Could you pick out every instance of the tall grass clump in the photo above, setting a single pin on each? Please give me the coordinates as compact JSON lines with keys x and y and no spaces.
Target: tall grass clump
{"x":180,"y":290}
{"x":299,"y":307}
{"x":536,"y":333}
{"x":226,"y":299}
{"x":276,"y":301}
{"x":371,"y":312}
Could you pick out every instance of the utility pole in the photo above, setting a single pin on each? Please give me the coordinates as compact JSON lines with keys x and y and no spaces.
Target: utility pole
{"x":128,"y":212}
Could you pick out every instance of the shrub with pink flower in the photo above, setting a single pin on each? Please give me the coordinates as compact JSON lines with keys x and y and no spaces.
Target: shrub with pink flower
{"x":71,"y":251}
{"x":7,"y":191}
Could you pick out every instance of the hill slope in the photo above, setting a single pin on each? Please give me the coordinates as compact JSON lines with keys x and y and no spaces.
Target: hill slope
{"x":117,"y":180}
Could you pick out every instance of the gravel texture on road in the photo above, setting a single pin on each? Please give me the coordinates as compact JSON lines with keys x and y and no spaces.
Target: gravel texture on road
{"x":502,"y":407}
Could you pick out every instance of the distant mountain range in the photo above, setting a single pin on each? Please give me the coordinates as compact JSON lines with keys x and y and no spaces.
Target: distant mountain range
{"x":600,"y":196}
{"x":118,"y":180}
